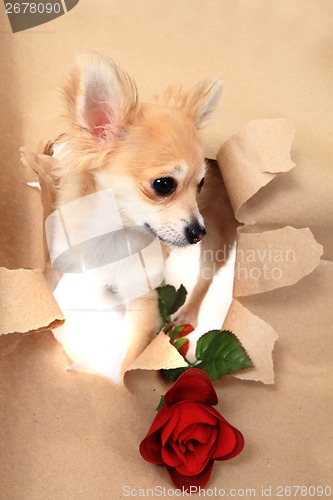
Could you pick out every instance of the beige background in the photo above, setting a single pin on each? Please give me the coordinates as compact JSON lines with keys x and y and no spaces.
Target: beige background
{"x":74,"y":435}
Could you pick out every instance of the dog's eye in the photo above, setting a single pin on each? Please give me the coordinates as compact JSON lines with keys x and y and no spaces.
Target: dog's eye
{"x":199,"y":186}
{"x":164,"y":185}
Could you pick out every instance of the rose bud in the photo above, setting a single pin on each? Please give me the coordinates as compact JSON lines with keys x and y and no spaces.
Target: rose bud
{"x":182,"y":345}
{"x":188,"y":435}
{"x":177,"y":334}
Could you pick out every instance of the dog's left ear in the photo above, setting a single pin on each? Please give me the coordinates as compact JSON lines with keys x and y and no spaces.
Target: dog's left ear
{"x":101,"y":97}
{"x":199,"y":103}
{"x":202,"y":101}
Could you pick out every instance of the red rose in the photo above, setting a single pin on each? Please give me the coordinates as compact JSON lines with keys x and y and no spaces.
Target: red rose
{"x":187,"y":434}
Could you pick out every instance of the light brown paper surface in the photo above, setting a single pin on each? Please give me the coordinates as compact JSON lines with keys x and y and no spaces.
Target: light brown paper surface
{"x":159,"y":354}
{"x":26,"y":302}
{"x":75,"y":435}
{"x":251,"y":159}
{"x":273,"y":259}
{"x":258,"y":337}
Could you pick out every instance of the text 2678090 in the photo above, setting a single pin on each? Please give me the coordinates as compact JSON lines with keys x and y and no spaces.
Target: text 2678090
{"x":33,"y":8}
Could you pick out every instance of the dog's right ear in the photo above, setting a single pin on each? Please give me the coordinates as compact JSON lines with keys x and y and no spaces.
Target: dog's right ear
{"x":101,"y":97}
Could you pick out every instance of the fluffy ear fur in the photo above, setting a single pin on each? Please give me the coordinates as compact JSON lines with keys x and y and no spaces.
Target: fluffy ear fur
{"x":101,"y":97}
{"x":199,"y":103}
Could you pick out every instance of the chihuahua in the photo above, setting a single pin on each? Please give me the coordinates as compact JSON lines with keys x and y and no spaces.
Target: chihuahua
{"x":132,"y":182}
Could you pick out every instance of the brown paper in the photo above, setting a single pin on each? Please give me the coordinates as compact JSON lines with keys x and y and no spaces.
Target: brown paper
{"x":42,"y":165}
{"x":158,"y":355}
{"x":251,"y":159}
{"x":258,"y":337}
{"x":273,"y":259}
{"x":26,"y":302}
{"x":75,"y":435}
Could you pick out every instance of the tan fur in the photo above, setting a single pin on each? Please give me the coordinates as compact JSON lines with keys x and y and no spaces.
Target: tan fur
{"x":156,"y":131}
{"x":221,"y":226}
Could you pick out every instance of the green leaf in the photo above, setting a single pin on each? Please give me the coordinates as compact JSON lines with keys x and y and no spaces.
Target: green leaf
{"x":204,"y":342}
{"x":220,"y":352}
{"x":166,"y":296}
{"x":179,"y":299}
{"x":160,"y":404}
{"x":170,"y":300}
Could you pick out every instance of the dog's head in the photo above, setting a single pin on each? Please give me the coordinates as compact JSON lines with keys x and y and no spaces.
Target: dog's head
{"x":150,"y":155}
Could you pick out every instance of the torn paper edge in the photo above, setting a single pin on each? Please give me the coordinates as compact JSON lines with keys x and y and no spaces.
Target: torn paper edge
{"x":251,"y":159}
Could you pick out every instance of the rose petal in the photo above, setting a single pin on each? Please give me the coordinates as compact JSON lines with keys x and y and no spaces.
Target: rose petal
{"x":197,"y":455}
{"x":187,"y":433}
{"x":230,"y":442}
{"x":161,"y":417}
{"x":203,"y":448}
{"x":200,"y":432}
{"x":228,"y":446}
{"x":192,"y":413}
{"x":151,"y":446}
{"x":225,"y":442}
{"x":171,"y":455}
{"x":179,"y":450}
{"x":192,"y":385}
{"x":185,"y":482}
{"x":206,"y":450}
{"x":170,"y":424}
{"x":191,"y":466}
{"x":150,"y":449}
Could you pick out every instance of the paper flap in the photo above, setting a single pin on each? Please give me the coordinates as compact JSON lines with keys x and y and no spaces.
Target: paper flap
{"x":251,"y":159}
{"x":273,"y":259}
{"x":26,"y":302}
{"x":43,"y":164}
{"x":159,"y":354}
{"x":257,"y":337}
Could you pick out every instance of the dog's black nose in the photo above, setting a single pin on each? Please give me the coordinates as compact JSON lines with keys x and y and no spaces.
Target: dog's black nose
{"x":194,"y":233}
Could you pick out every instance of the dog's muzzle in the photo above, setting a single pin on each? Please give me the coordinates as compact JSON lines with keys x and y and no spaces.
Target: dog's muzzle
{"x":194,"y":232}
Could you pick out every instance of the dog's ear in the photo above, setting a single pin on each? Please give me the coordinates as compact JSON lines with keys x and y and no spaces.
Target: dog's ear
{"x":199,"y":103}
{"x":202,"y":100}
{"x":101,"y":97}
